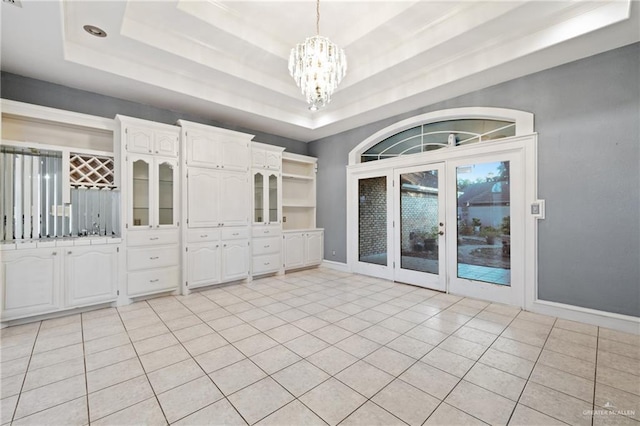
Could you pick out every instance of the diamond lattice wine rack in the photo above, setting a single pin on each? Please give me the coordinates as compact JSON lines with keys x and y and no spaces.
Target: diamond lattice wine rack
{"x":91,"y":171}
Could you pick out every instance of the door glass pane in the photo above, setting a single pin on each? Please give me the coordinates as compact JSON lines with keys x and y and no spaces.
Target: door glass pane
{"x":484,"y":222}
{"x":419,"y":221}
{"x":258,"y":195}
{"x":140,"y":193}
{"x":165,"y":194}
{"x":372,"y":220}
{"x":273,"y":198}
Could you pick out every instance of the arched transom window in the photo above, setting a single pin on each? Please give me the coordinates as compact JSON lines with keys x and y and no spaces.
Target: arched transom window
{"x":442,"y":129}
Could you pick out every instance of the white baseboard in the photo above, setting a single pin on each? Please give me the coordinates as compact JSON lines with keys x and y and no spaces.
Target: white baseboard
{"x":338,"y":266}
{"x":625,"y":323}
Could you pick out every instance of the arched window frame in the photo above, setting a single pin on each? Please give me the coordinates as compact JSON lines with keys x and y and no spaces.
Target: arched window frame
{"x":523,"y":124}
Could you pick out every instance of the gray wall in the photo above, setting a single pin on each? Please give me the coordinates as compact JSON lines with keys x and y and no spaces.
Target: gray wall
{"x":587,"y":117}
{"x":38,"y":92}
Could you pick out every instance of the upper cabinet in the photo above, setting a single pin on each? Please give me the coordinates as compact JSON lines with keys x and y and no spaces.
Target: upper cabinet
{"x":146,"y":140}
{"x":265,"y":156}
{"x":211,"y":147}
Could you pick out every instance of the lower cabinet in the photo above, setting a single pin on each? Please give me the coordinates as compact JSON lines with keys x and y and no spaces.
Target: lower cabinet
{"x":302,"y":249}
{"x":216,"y":255}
{"x":235,"y":260}
{"x":153,"y":261}
{"x":31,"y":282}
{"x":91,"y":274}
{"x":40,"y":281}
{"x":266,"y":250}
{"x":203,"y":264}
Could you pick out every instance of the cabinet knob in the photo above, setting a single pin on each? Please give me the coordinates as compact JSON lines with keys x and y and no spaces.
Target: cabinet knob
{"x":68,"y":252}
{"x":224,"y":245}
{"x":55,"y":253}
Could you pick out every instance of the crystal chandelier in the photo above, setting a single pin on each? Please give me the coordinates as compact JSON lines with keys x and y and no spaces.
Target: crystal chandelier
{"x":317,"y":66}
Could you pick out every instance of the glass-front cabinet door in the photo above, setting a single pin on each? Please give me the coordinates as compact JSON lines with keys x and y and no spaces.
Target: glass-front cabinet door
{"x":140,"y":203}
{"x":153,"y":192}
{"x":258,"y":198}
{"x":274,"y":214}
{"x":167,"y":183}
{"x":266,"y":193}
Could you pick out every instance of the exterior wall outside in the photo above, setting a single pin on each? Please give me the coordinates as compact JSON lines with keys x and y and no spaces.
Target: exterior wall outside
{"x":419,"y":215}
{"x":38,"y":92}
{"x":373,"y":216}
{"x":586,"y":117}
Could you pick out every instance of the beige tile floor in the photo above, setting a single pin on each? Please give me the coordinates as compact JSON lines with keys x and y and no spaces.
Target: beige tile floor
{"x":317,"y":347}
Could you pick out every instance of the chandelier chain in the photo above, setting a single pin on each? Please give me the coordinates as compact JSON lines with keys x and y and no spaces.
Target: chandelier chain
{"x":318,"y":17}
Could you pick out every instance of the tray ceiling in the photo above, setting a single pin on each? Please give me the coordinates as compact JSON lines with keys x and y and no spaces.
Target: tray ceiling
{"x":227,"y":60}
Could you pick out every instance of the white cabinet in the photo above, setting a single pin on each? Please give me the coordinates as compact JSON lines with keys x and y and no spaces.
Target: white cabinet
{"x":235,"y":260}
{"x":91,"y":274}
{"x":216,"y":148}
{"x":267,"y":206}
{"x":43,"y":280}
{"x":145,"y":139}
{"x":266,"y":249}
{"x":216,"y":198}
{"x":265,"y":156}
{"x":203,"y":264}
{"x":298,"y":191}
{"x":30,"y":282}
{"x":152,"y":192}
{"x":151,"y":205}
{"x":302,"y":249}
{"x":215,"y":255}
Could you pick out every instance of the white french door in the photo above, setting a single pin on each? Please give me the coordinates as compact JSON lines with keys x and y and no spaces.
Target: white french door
{"x":455,"y":225}
{"x":486,"y":215}
{"x":419,"y":226}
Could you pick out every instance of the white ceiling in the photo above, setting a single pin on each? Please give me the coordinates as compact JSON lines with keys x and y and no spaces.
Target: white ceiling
{"x":227,"y":60}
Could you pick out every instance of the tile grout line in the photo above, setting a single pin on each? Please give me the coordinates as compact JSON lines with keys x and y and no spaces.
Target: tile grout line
{"x":26,"y":371}
{"x":531,"y":373}
{"x":86,"y":373}
{"x":195,"y":361}
{"x":144,"y":371}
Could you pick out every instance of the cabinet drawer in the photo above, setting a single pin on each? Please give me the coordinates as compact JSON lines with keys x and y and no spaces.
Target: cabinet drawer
{"x":155,"y":257}
{"x":265,"y":231}
{"x":269,"y":245}
{"x":152,"y":281}
{"x":266,"y":263}
{"x":235,"y":233}
{"x":155,"y":238}
{"x":203,"y":235}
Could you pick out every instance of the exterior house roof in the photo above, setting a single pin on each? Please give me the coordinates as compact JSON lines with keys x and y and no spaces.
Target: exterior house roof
{"x":485,"y":193}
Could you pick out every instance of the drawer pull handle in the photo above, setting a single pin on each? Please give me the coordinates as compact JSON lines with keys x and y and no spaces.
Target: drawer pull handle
{"x":154,"y":238}
{"x":266,"y":232}
{"x":154,"y":281}
{"x":204,"y":236}
{"x":266,"y":263}
{"x":267,"y":246}
{"x":235,"y":233}
{"x":154,"y":258}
